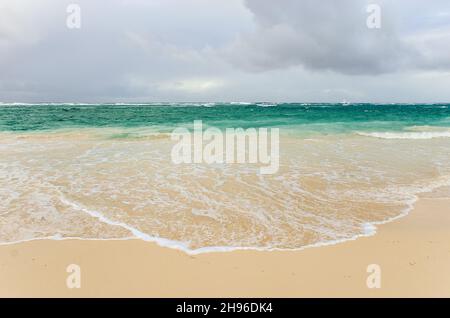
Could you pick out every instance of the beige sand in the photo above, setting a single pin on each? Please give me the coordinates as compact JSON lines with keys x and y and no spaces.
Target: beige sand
{"x":413,"y":252}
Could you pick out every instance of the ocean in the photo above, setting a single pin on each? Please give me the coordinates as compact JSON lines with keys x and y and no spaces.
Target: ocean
{"x":104,"y":171}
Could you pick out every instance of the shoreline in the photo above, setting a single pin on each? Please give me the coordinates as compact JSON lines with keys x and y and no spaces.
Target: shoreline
{"x":181,"y":246}
{"x":413,"y":253}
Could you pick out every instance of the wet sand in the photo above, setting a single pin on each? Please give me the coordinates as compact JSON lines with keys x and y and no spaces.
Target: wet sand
{"x":413,"y":253}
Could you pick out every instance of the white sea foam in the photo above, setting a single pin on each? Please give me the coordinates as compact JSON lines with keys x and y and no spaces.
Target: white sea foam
{"x":136,"y":233}
{"x":267,"y":104}
{"x":408,"y":135}
{"x":368,"y":229}
{"x":88,"y":179}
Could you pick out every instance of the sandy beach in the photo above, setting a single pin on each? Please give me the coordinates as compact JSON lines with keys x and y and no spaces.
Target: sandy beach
{"x":413,"y":253}
{"x":224,"y":149}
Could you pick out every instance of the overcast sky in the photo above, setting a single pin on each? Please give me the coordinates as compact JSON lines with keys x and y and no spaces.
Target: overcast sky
{"x":225,"y":50}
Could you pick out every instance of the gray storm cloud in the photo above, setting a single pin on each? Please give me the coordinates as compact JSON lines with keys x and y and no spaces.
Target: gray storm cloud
{"x":224,"y":50}
{"x":333,"y":35}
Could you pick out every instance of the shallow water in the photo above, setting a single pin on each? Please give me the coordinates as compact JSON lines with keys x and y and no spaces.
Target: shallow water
{"x":105,"y":172}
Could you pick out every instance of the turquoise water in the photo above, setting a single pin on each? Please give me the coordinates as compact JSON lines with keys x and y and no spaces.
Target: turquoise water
{"x":325,"y":118}
{"x":77,"y":171}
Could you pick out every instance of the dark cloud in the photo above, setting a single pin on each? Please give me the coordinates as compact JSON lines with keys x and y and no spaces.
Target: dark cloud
{"x":332,"y":35}
{"x":224,"y":50}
